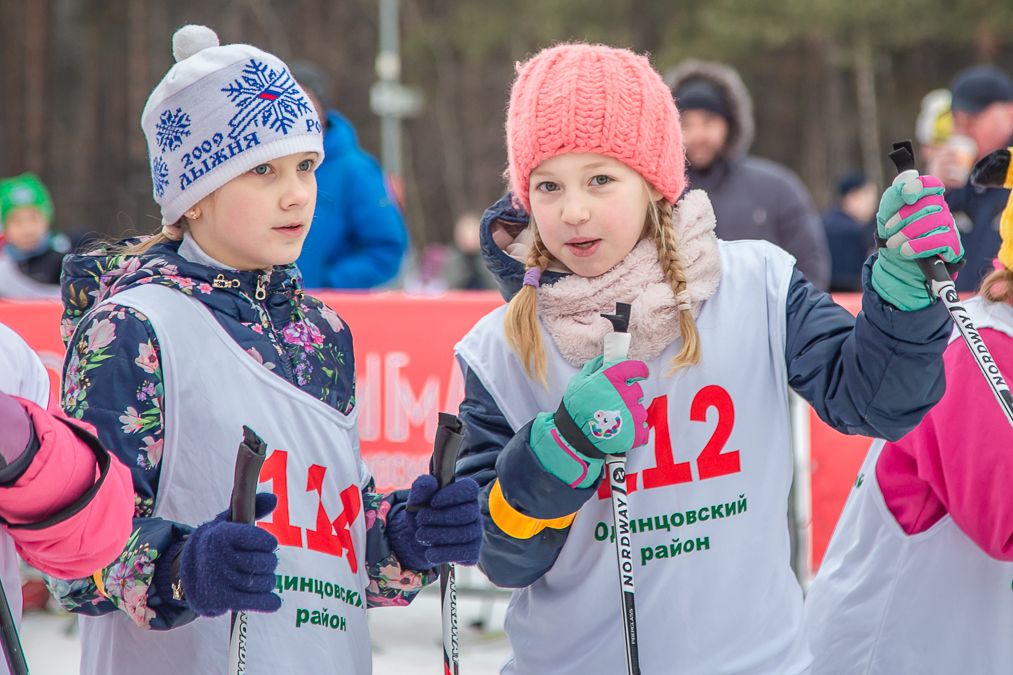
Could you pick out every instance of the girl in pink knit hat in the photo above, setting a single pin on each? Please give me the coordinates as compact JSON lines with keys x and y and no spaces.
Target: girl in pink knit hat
{"x":719,"y":332}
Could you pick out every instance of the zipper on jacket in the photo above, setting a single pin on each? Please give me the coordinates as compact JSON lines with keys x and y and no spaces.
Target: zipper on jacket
{"x":261,"y":294}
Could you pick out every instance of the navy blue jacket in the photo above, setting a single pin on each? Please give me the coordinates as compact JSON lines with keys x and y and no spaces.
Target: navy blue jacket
{"x":876,"y":375}
{"x":358,"y":236}
{"x":977,"y":211}
{"x":850,"y":243}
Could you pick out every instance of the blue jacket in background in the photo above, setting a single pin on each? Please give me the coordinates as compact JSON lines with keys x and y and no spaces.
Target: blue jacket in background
{"x":876,"y":375}
{"x":358,"y":236}
{"x":850,"y":243}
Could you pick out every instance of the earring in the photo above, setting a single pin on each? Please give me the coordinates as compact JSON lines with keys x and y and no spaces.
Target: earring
{"x":193,"y":214}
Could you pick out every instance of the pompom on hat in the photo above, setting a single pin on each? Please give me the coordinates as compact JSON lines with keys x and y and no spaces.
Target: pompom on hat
{"x":594,"y":98}
{"x":219,"y":112}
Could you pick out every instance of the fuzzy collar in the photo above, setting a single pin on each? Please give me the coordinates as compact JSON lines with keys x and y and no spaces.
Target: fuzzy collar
{"x":570,"y":308}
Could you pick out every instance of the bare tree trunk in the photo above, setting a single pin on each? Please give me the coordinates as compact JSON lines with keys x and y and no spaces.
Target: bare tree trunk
{"x":868,"y":120}
{"x":12,"y":55}
{"x":36,"y":78}
{"x":138,"y":86}
{"x":814,"y":158}
{"x":451,"y":134}
{"x":986,"y":43}
{"x":838,"y":151}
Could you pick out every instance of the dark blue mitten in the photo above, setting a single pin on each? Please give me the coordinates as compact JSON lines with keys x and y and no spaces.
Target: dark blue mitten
{"x":448,"y":527}
{"x":230,"y":566}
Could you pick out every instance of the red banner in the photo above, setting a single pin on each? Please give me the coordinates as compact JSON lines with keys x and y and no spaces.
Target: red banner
{"x":406,"y":374}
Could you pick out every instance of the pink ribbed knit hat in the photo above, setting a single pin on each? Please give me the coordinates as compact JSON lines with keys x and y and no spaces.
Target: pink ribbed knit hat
{"x":594,"y":98}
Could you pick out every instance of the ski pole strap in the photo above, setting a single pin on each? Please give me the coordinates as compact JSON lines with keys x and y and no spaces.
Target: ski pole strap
{"x":572,"y":434}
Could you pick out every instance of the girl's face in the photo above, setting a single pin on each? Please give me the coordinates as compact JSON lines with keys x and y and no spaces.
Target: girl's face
{"x":25,"y":228}
{"x":589,"y":209}
{"x":259,"y":219}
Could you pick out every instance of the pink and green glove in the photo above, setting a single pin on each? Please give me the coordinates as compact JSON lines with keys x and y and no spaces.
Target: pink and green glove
{"x":913,"y":222}
{"x":602,"y":413}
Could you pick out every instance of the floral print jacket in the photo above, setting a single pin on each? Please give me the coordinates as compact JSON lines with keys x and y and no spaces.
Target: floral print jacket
{"x":113,"y":380}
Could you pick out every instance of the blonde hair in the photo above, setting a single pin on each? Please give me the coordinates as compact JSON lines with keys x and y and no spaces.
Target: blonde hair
{"x":998,"y":286}
{"x":142,"y":247}
{"x":521,"y":321}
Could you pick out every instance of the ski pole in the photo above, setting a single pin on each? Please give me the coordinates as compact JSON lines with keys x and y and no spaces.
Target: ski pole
{"x":941,"y":285}
{"x":617,"y":345}
{"x":242,"y":509}
{"x":9,"y":636}
{"x":449,"y":436}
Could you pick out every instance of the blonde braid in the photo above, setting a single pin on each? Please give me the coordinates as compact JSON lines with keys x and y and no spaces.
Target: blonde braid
{"x":998,"y":286}
{"x":660,"y":214}
{"x":521,"y":321}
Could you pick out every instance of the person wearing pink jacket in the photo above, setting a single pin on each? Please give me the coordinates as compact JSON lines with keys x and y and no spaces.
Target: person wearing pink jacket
{"x":918,"y":577}
{"x":66,"y":504}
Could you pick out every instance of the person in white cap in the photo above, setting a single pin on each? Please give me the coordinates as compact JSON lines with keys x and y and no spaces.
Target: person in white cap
{"x":177,"y":342}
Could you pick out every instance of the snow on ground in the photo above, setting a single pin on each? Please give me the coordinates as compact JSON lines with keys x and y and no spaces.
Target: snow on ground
{"x":406,"y":640}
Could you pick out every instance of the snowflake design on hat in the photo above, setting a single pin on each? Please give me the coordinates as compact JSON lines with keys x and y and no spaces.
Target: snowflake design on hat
{"x":159,"y":175}
{"x":265,"y":98}
{"x":171,"y":129}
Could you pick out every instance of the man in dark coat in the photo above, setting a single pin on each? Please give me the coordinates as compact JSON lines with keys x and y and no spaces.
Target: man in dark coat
{"x":753,"y":198}
{"x":983,"y":112}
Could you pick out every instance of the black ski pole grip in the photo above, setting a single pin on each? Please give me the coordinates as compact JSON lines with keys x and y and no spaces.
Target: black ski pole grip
{"x":621,"y":319}
{"x":934,"y":268}
{"x":903,"y":156}
{"x":249,"y":459}
{"x":446,"y":446}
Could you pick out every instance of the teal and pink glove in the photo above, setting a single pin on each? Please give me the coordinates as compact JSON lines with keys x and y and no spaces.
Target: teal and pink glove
{"x":913,"y":222}
{"x":602,"y":413}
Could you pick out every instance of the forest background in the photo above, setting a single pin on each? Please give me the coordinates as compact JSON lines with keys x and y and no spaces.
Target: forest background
{"x":833,"y":81}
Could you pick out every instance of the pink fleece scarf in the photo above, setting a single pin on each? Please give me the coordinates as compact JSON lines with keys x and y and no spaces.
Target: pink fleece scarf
{"x":570,"y":309}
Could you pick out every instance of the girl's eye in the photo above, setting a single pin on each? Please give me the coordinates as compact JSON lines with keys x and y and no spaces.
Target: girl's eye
{"x":306,"y":165}
{"x":261,"y":170}
{"x":548,"y":186}
{"x":600,"y":180}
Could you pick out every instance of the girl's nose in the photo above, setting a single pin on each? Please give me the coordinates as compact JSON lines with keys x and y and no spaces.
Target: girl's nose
{"x":297,"y":193}
{"x":575,"y":209}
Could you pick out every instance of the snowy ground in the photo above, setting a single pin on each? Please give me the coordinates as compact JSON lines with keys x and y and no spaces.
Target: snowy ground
{"x":406,"y":640}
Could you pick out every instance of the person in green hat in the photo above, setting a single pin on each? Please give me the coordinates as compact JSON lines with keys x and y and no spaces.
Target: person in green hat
{"x":31,"y":257}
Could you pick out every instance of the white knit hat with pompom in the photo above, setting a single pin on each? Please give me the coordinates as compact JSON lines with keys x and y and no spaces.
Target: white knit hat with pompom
{"x":219,"y":112}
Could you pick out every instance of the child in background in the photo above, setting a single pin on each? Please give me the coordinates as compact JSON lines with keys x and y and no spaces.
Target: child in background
{"x":65,"y":504}
{"x":917,"y":576}
{"x":174,"y":346}
{"x":30,"y":255}
{"x":719,"y":332}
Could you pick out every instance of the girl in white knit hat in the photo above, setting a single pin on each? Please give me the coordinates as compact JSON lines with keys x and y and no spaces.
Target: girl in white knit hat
{"x":178,"y":341}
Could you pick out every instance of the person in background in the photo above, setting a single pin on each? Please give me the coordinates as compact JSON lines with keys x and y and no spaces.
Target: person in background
{"x":358,"y":236}
{"x":849,"y":228}
{"x":465,"y":269}
{"x":30,"y":255}
{"x":982,"y":112}
{"x":933,"y":129}
{"x":753,"y":198}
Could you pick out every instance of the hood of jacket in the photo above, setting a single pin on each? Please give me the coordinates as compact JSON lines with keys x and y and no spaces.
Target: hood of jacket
{"x":728,"y":82}
{"x":91,"y":278}
{"x":340,"y":136}
{"x":502,"y":224}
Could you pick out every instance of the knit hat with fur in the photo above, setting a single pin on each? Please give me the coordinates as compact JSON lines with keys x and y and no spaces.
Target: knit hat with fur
{"x":594,"y":98}
{"x":219,"y":112}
